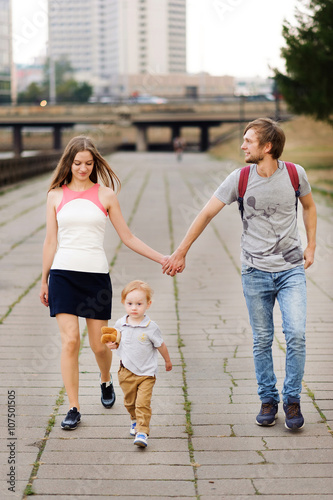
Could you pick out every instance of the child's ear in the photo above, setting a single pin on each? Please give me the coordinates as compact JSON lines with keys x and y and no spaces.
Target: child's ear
{"x":149,"y":304}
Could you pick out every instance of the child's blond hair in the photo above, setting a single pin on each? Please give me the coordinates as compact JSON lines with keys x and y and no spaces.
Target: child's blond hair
{"x":137,"y":285}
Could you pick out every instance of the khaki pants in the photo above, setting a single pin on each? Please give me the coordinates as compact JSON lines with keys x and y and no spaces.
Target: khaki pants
{"x":138,"y":392}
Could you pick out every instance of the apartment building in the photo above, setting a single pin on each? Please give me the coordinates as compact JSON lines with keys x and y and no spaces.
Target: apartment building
{"x":5,"y":51}
{"x":108,"y":40}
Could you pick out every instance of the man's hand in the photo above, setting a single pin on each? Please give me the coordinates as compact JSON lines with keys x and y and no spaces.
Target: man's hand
{"x":308,"y":257}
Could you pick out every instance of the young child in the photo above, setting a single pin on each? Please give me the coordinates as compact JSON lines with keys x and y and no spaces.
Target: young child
{"x":140,"y":340}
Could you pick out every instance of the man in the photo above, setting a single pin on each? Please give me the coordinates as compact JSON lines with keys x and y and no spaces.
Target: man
{"x":273,"y":262}
{"x":179,"y":146}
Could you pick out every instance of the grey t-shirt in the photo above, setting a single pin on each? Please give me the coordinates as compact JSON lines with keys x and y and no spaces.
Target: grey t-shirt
{"x":270,"y":239}
{"x":138,"y":346}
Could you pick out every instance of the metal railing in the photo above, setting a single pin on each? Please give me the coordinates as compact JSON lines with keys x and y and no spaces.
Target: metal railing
{"x":17,"y":169}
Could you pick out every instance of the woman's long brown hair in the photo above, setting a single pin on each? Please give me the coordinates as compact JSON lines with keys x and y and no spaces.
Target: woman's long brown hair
{"x":63,"y":172}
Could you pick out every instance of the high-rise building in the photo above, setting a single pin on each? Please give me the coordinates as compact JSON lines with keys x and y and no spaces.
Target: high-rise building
{"x":107,"y":40}
{"x":148,"y":35}
{"x":5,"y":51}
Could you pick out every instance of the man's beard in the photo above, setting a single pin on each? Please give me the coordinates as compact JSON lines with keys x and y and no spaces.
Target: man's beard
{"x":254,"y":159}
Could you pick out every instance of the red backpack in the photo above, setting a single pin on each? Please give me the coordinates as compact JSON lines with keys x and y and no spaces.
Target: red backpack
{"x":244,"y":177}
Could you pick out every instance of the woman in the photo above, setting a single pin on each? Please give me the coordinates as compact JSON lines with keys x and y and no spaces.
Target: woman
{"x":75,"y":275}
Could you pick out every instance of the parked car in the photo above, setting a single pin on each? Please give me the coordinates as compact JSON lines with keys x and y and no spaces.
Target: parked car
{"x":149,"y":99}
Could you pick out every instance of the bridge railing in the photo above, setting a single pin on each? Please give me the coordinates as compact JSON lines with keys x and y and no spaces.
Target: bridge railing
{"x":17,"y":169}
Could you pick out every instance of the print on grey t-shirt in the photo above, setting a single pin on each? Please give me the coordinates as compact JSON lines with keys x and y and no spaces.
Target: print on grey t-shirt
{"x":270,"y":239}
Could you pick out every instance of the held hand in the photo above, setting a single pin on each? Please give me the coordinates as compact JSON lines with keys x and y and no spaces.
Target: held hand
{"x":164,"y":260}
{"x":308,"y":257}
{"x":44,"y":295}
{"x":168,"y":366}
{"x":175,"y":264}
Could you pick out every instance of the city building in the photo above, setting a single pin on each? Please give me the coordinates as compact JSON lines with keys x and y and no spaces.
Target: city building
{"x":148,"y":36}
{"x":6,"y":59}
{"x":107,"y":40}
{"x":180,"y":85}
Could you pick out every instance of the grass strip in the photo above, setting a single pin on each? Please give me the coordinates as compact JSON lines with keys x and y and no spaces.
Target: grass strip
{"x":24,"y":212}
{"x":18,"y":300}
{"x":42,"y":443}
{"x":309,"y":393}
{"x":18,"y":243}
{"x":180,"y":342}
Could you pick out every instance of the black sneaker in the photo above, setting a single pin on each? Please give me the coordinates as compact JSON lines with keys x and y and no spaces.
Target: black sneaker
{"x":294,"y":417}
{"x":108,"y":396}
{"x":268,"y":412}
{"x":72,"y":419}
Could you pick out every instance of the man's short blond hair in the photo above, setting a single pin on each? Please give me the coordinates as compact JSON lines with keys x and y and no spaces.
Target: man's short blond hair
{"x":137,"y":285}
{"x":268,"y":130}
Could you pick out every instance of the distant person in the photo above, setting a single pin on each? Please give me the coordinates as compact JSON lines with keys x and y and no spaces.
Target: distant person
{"x":75,"y":278}
{"x":179,"y":146}
{"x":273,"y":262}
{"x":141,"y":338}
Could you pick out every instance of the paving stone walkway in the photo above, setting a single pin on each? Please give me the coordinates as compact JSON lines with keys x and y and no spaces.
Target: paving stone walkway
{"x":204,"y":443}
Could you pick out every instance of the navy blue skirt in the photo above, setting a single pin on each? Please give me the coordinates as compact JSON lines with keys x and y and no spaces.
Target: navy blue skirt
{"x":88,"y":295}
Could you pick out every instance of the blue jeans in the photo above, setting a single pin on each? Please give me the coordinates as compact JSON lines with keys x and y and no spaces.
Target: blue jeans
{"x":260,"y":289}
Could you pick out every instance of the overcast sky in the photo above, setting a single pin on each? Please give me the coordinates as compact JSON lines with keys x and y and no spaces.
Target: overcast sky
{"x":240,"y":38}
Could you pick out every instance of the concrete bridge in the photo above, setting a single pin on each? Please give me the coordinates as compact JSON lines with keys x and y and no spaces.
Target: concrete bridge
{"x":174,"y":115}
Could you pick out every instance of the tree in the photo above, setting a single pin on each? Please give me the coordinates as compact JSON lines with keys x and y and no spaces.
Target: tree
{"x":33,"y":94}
{"x":307,"y":84}
{"x":72,"y":91}
{"x":67,"y":88}
{"x":83,"y":92}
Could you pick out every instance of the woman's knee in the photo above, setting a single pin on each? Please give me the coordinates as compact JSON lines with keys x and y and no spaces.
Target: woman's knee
{"x":94,"y":333}
{"x":69,"y":332}
{"x":71,"y":344}
{"x":98,"y":348}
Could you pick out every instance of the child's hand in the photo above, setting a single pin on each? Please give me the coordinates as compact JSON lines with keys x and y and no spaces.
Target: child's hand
{"x":168,"y":366}
{"x":112,"y":345}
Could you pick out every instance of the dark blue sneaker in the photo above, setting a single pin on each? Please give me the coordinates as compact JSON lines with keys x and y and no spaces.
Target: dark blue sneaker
{"x":72,"y":419}
{"x":294,"y":417}
{"x":108,"y":396}
{"x":268,"y":412}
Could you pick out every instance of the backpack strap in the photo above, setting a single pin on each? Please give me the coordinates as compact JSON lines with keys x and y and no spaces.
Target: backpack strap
{"x":292,"y":171}
{"x":244,"y":177}
{"x":242,"y":185}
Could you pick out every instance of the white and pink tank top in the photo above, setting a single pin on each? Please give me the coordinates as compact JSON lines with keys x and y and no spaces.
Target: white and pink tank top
{"x":81,"y":227}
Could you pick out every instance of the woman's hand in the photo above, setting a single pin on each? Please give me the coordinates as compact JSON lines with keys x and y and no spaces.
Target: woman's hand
{"x":44,"y":294}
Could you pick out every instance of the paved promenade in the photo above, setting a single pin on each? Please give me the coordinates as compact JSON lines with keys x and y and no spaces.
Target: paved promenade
{"x":204,"y":443}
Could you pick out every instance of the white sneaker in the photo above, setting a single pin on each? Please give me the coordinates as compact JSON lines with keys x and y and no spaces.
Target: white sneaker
{"x":133,"y":428}
{"x":141,"y":439}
